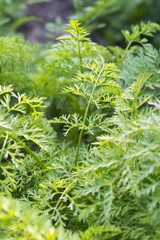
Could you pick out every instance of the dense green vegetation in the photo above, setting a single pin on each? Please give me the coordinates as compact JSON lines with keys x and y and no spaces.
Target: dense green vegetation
{"x":80,"y":137}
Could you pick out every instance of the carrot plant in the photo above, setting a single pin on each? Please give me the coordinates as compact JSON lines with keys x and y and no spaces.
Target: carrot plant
{"x":114,"y":180}
{"x":22,"y":128}
{"x":86,"y":85}
{"x":105,"y":187}
{"x":61,"y":64}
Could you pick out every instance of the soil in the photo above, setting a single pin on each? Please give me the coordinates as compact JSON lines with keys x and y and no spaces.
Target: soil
{"x":35,"y":31}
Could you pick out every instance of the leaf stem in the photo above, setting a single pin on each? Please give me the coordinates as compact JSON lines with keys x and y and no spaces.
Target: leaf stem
{"x":3,"y":147}
{"x":79,"y":54}
{"x":85,"y":116}
{"x":28,"y":150}
{"x":81,"y":132}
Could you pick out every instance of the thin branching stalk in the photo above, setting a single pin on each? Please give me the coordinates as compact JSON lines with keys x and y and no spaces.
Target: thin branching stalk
{"x":3,"y":147}
{"x":63,"y":193}
{"x":79,"y":54}
{"x":85,"y":116}
{"x":27,"y":149}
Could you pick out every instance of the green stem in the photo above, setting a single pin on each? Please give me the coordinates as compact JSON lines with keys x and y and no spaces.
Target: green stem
{"x":128,"y":46}
{"x":65,"y":192}
{"x":81,"y":132}
{"x":3,"y":147}
{"x":27,"y":149}
{"x":85,"y":116}
{"x":79,"y":54}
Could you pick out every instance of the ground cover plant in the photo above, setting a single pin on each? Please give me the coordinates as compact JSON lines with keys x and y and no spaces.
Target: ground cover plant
{"x":102,"y":182}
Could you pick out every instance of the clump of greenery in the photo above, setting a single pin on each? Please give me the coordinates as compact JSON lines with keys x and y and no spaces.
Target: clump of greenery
{"x":22,"y":128}
{"x":89,"y":86}
{"x":62,"y":62}
{"x":138,"y":36}
{"x":103,"y":188}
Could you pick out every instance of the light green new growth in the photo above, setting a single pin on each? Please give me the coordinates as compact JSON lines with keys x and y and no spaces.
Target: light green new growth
{"x":76,"y":36}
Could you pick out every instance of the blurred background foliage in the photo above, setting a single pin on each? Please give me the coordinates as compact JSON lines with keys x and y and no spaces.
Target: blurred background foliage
{"x":12,"y":15}
{"x":103,"y":18}
{"x":106,"y":18}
